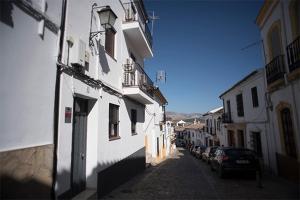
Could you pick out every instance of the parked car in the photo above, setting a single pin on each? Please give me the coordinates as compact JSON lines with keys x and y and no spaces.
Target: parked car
{"x":180,"y":144}
{"x":208,"y":153}
{"x":199,"y":151}
{"x":194,"y":150}
{"x":230,"y":159}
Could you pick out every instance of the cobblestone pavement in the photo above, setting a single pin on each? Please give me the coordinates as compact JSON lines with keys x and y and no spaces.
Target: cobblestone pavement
{"x":185,"y":177}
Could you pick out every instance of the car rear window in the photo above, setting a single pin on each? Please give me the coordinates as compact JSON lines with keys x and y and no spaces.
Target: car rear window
{"x":213,"y":149}
{"x":239,"y":152}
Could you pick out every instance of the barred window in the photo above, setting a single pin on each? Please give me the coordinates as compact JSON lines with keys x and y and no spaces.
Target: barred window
{"x":113,"y":125}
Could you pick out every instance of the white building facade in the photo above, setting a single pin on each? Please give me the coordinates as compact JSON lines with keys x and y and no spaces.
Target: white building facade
{"x":195,"y":133}
{"x":278,"y":22}
{"x":245,"y":115}
{"x":212,"y":129}
{"x":155,"y":129}
{"x":29,"y":37}
{"x":88,"y":80}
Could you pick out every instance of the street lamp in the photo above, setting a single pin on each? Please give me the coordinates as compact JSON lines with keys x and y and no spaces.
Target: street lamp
{"x":107,"y":20}
{"x":107,"y":17}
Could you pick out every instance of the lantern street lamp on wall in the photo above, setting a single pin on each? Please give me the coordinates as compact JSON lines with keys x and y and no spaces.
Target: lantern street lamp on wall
{"x":107,"y":20}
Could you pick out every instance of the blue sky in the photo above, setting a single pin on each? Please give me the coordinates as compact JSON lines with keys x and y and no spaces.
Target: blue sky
{"x":198,"y":44}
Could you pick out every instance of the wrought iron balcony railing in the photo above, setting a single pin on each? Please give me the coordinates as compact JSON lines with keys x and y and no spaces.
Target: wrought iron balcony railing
{"x":226,"y":118}
{"x":275,"y":69}
{"x":132,"y":15}
{"x":293,"y":54}
{"x":135,"y":76}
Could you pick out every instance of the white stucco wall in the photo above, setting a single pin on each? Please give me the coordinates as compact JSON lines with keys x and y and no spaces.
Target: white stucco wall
{"x":255,"y":118}
{"x":289,"y":92}
{"x":101,"y":152}
{"x":27,"y":96}
{"x":251,"y":113}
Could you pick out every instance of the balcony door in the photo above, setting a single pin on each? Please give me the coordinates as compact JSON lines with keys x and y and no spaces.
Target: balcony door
{"x":274,"y":40}
{"x":231,"y":139}
{"x":229,"y":109}
{"x":294,"y":8}
{"x":288,"y":133}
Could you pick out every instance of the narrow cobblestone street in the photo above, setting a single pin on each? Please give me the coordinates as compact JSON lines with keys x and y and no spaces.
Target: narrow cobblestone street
{"x":185,"y":177}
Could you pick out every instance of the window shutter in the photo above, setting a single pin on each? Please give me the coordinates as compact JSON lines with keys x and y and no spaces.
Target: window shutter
{"x":110,"y":41}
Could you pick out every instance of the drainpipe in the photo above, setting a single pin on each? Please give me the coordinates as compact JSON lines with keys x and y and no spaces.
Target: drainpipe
{"x":57,"y":97}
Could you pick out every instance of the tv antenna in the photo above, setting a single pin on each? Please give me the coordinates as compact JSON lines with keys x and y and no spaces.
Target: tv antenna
{"x":153,"y":18}
{"x":251,"y":45}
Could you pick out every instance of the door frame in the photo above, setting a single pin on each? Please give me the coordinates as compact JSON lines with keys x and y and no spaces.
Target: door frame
{"x":72,"y":150}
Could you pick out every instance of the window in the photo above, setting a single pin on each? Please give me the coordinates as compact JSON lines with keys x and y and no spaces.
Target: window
{"x":254,"y":97}
{"x":274,"y":40}
{"x":110,"y":41}
{"x":161,"y":127}
{"x":133,"y":121}
{"x":113,"y":125}
{"x":288,"y":133}
{"x":239,"y":105}
{"x":228,"y":109}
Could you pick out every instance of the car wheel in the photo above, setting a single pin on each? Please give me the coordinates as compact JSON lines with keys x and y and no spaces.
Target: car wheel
{"x":221,"y":172}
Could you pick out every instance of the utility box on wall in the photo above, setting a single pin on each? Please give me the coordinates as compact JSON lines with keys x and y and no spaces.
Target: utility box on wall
{"x":78,"y":53}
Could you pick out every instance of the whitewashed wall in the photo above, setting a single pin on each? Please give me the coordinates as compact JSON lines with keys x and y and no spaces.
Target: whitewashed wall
{"x":101,"y":153}
{"x":27,"y":101}
{"x":289,"y":93}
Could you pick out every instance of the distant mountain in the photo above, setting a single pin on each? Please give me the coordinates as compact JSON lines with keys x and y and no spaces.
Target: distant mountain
{"x":182,"y":116}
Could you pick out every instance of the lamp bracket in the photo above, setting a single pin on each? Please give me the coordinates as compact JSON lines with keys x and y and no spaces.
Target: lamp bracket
{"x":95,"y":6}
{"x":92,"y":35}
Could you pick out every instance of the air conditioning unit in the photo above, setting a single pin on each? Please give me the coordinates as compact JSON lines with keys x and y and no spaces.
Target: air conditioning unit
{"x":128,"y":67}
{"x":129,"y":15}
{"x":129,"y":61}
{"x":144,"y":79}
{"x":78,"y":55}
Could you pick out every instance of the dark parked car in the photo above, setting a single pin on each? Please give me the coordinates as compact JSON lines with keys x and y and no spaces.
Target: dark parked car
{"x":199,"y":151}
{"x":230,"y":159}
{"x":193,"y":151}
{"x":180,"y":144}
{"x":209,"y":153}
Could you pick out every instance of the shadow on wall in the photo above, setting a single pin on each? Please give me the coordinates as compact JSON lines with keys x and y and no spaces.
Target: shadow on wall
{"x":6,"y":9}
{"x":129,"y":105}
{"x":12,"y":188}
{"x":109,"y":175}
{"x":102,"y":59}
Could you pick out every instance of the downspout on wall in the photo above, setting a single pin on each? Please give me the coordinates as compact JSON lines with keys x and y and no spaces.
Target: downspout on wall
{"x":57,"y":97}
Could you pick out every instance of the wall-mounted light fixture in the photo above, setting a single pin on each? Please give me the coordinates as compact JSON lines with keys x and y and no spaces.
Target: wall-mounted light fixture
{"x":107,"y":20}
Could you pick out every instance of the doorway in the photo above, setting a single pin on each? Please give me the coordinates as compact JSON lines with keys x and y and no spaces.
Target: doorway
{"x":241,"y":138}
{"x":256,"y":143}
{"x":231,"y":140}
{"x":79,"y":134}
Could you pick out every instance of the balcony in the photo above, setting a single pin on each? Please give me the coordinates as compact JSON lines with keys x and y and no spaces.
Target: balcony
{"x":137,"y":84}
{"x":275,"y":69}
{"x":136,"y":29}
{"x":293,"y":54}
{"x":226,"y":118}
